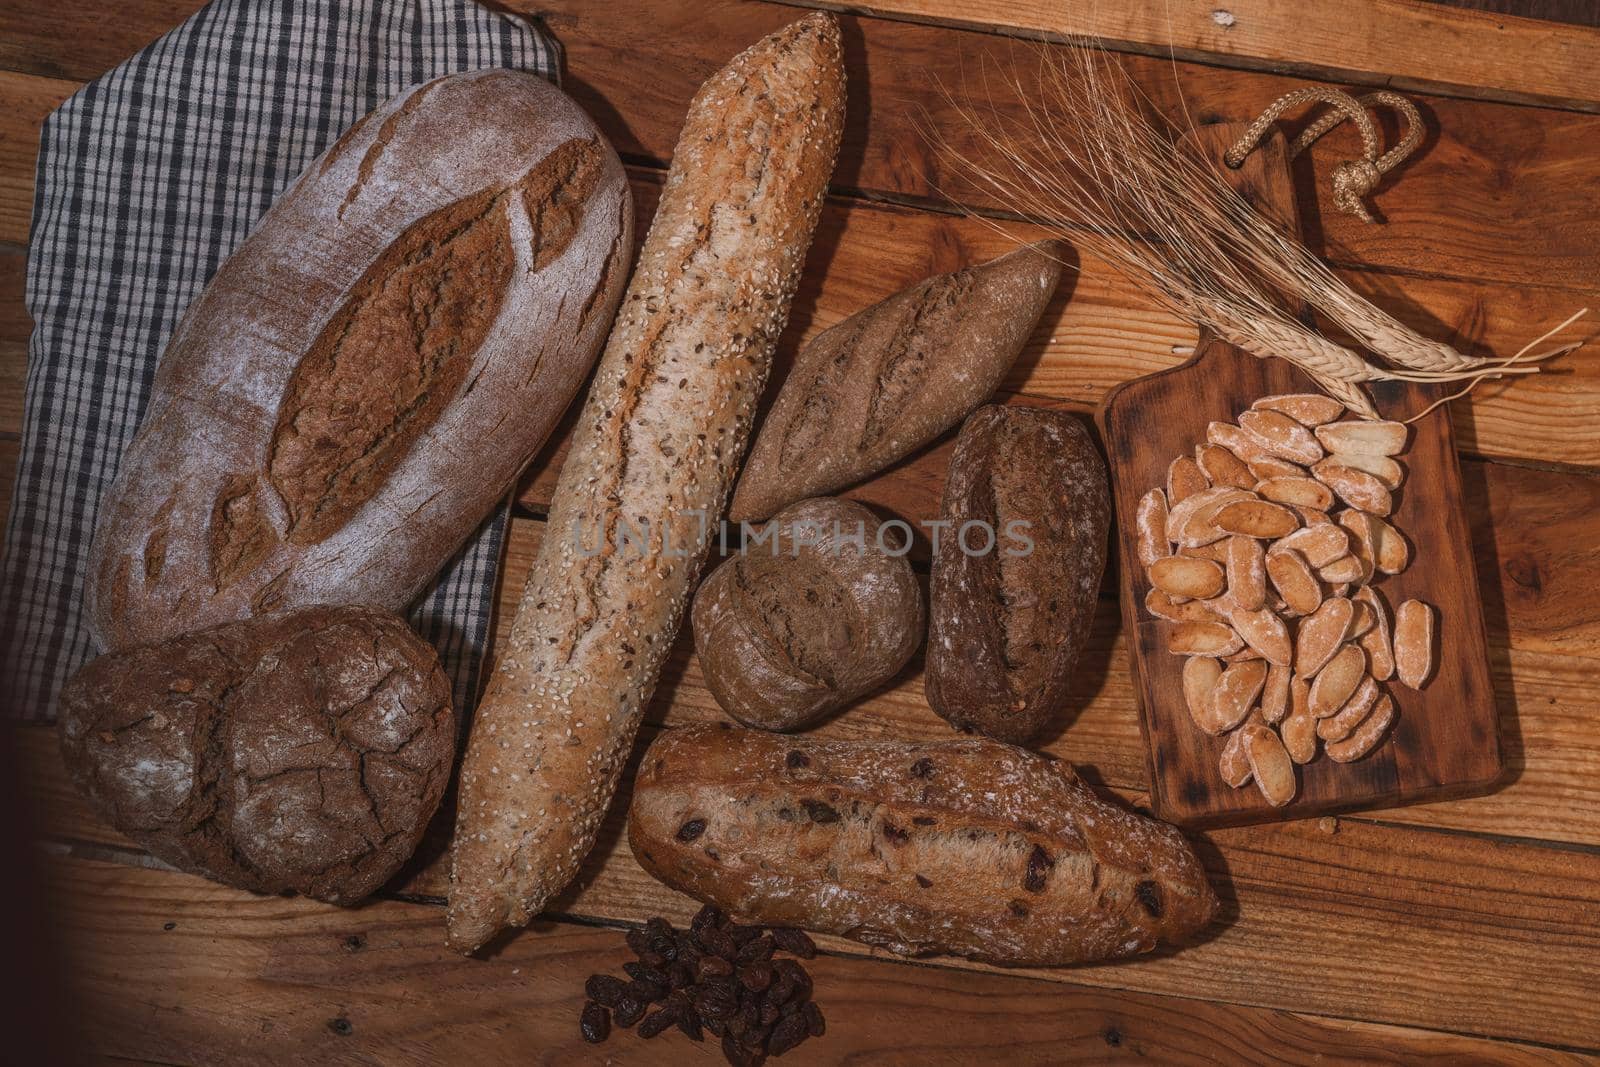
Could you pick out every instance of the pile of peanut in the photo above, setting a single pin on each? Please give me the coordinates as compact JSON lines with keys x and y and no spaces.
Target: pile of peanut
{"x":1260,"y":553}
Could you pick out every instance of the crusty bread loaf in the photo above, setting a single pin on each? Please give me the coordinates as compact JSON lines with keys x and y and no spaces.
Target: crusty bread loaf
{"x":659,"y":438}
{"x":1005,"y":625}
{"x":299,"y":752}
{"x":366,"y":375}
{"x":818,"y":616}
{"x":967,"y":847}
{"x":892,"y":377}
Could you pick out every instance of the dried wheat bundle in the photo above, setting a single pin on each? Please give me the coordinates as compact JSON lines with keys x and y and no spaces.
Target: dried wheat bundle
{"x":1082,"y":160}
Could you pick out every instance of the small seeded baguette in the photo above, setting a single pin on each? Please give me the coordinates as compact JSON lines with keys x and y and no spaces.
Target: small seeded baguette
{"x":655,"y":452}
{"x":892,"y":377}
{"x":967,"y":847}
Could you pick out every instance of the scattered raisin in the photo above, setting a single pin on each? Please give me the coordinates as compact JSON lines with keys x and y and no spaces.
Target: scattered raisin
{"x":718,"y":943}
{"x":1019,"y":909}
{"x":656,"y":1022}
{"x":714,"y":1002}
{"x":925,"y":883}
{"x":718,"y":977}
{"x":691,"y":830}
{"x":814,"y":1019}
{"x":893,"y":834}
{"x":604,"y":989}
{"x":649,"y":992}
{"x":756,"y":976}
{"x":796,"y":758}
{"x":794,"y":942}
{"x":594,"y":1023}
{"x":923,"y":768}
{"x":923,"y":820}
{"x":714,"y":966}
{"x":759,"y":949}
{"x":628,"y":1011}
{"x":788,"y":1033}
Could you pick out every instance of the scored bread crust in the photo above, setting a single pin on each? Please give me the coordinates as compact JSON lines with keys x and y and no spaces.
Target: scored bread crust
{"x":364,"y":378}
{"x":967,"y":847}
{"x":892,"y":377}
{"x":656,"y":447}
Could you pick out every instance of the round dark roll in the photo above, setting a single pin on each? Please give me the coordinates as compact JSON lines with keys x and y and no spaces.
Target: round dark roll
{"x":822,"y":615}
{"x":299,"y":752}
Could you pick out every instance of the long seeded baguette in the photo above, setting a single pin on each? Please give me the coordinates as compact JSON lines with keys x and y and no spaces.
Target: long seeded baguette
{"x":968,"y":847}
{"x":656,"y":448}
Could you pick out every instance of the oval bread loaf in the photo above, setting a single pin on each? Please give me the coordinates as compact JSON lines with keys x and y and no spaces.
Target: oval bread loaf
{"x":655,"y":450}
{"x":1010,"y":609}
{"x":300,"y":752}
{"x":366,"y":375}
{"x":815,"y":618}
{"x":967,"y":847}
{"x":892,"y":377}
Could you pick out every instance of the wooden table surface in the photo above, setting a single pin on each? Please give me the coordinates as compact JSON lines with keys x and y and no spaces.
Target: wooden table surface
{"x":1457,"y":931}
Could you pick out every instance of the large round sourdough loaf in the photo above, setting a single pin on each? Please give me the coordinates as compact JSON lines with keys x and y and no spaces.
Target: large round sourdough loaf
{"x":368,"y":373}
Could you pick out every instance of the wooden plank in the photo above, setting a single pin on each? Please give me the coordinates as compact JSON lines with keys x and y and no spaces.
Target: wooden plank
{"x":1345,"y":918}
{"x":1498,"y":193}
{"x":1401,"y":44}
{"x":222,"y":976}
{"x":1536,"y":567}
{"x":27,"y":101}
{"x":76,"y":40}
{"x":1101,"y":330}
{"x":15,"y":328}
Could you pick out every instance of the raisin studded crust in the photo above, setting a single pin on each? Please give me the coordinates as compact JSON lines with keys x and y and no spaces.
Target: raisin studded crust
{"x":302,"y":752}
{"x":966,"y":847}
{"x":656,"y":447}
{"x":367,"y":374}
{"x":892,"y":377}
{"x":1006,"y":627}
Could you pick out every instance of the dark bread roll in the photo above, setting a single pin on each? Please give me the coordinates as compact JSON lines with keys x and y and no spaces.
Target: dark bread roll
{"x":301,"y":752}
{"x":370,"y":370}
{"x":812,"y":619}
{"x":1006,"y":625}
{"x":967,"y":847}
{"x":892,"y":377}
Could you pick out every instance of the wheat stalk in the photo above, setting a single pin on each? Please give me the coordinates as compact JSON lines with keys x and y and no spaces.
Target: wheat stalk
{"x":1083,"y":162}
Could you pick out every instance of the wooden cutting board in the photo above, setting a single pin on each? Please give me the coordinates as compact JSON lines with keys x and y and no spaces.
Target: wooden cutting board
{"x":1445,"y":742}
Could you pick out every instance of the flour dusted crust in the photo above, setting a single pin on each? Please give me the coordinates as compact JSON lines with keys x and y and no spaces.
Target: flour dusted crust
{"x":966,"y":847}
{"x":656,"y":446}
{"x":365,"y":377}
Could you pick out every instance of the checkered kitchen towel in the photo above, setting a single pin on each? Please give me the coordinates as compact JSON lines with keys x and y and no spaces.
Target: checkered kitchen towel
{"x":147,"y":179}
